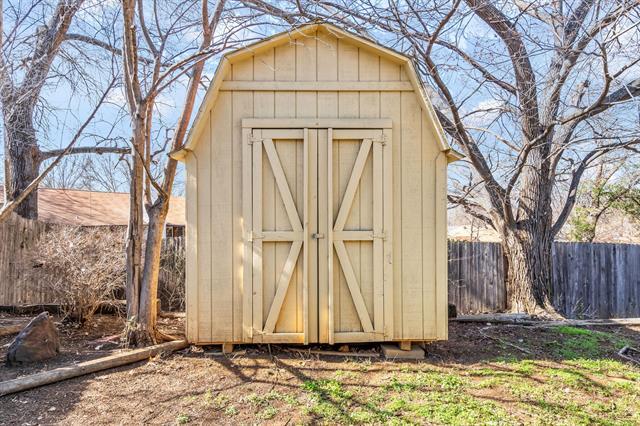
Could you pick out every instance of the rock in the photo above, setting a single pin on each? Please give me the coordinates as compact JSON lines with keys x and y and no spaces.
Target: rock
{"x":36,"y":342}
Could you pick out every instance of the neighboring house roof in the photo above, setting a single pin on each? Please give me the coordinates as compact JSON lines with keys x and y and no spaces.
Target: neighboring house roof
{"x":304,"y":31}
{"x":93,"y":208}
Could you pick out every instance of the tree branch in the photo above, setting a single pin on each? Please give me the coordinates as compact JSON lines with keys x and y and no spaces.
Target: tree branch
{"x":471,"y":208}
{"x":9,"y":207}
{"x":536,"y":11}
{"x":101,"y":44}
{"x":523,"y":70}
{"x":577,"y":176}
{"x":45,"y":155}
{"x":47,"y":44}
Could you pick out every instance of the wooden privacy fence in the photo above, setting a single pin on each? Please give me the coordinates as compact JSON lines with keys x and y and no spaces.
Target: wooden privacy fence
{"x":19,"y":285}
{"x":17,"y":238}
{"x":590,"y":280}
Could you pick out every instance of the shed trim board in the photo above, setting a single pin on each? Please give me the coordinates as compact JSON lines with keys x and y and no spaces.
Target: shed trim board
{"x":319,"y":86}
{"x":316,"y":203}
{"x":294,"y":125}
{"x":304,"y":31}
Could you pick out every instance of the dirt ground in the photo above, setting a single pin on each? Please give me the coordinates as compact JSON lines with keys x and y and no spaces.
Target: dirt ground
{"x":482,"y":375}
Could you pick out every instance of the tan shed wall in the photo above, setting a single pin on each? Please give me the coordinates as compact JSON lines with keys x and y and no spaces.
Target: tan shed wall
{"x":214,"y":178}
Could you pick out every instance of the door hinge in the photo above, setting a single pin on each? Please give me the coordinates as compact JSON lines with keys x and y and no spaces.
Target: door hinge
{"x":381,"y":236}
{"x":254,"y":139}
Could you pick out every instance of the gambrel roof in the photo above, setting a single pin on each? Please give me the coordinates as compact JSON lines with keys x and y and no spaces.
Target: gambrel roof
{"x":295,"y":33}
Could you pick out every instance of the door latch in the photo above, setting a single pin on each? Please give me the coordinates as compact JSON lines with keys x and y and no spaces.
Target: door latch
{"x":317,"y":236}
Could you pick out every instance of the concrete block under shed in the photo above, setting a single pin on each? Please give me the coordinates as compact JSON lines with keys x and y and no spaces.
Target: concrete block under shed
{"x":393,"y":351}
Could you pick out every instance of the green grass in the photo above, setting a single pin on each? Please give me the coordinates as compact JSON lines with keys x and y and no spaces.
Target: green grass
{"x":578,"y":391}
{"x":577,"y":342}
{"x":183,"y":419}
{"x":231,"y":410}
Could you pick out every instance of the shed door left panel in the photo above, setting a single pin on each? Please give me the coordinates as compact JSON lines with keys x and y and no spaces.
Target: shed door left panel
{"x":277,"y":241}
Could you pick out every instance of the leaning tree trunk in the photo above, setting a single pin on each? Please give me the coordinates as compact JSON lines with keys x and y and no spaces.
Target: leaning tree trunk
{"x":22,"y":158}
{"x":149,"y":294}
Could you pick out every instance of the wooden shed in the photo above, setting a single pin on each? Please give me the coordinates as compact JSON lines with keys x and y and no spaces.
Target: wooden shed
{"x":316,"y":197}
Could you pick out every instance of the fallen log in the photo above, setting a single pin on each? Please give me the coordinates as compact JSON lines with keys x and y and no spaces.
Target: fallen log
{"x":526,"y":320}
{"x":165,"y":314}
{"x":521,"y":319}
{"x":8,"y":330}
{"x":624,"y":351}
{"x":52,"y":308}
{"x":63,"y":373}
{"x":595,"y":322}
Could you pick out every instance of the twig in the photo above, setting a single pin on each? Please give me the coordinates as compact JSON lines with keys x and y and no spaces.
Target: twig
{"x":336,"y":353}
{"x":506,"y":343}
{"x":622,"y":353}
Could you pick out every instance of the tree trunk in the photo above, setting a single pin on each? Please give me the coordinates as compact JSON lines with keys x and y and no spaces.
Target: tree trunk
{"x":527,"y":241}
{"x":149,"y":294}
{"x":135,"y":237}
{"x":529,"y":271}
{"x":22,"y":158}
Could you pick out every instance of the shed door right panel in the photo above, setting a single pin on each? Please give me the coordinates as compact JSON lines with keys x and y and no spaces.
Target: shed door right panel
{"x":357,"y":220}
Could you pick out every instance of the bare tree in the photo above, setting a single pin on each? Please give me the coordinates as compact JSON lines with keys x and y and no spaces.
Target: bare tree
{"x":144,"y":82}
{"x":526,"y":89}
{"x":612,"y":187}
{"x":32,"y":35}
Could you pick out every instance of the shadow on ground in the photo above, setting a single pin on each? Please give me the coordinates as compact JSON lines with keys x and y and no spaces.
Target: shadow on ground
{"x":483,"y":374}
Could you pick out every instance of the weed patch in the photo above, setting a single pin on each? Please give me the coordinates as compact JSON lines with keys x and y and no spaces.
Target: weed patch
{"x":584,"y":343}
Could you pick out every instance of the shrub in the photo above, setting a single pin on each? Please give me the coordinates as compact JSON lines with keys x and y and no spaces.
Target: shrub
{"x":81,"y":268}
{"x":171,"y":279}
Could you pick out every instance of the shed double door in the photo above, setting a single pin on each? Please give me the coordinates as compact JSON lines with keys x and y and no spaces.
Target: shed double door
{"x":317,"y":213}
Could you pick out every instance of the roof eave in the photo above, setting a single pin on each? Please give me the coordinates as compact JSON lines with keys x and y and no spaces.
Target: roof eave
{"x":453,"y":155}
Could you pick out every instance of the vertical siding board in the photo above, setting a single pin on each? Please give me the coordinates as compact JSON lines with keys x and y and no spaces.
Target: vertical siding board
{"x":411,"y":166}
{"x":327,"y":52}
{"x":264,"y":68}
{"x":306,"y":70}
{"x":225,"y":251}
{"x":430,"y":204}
{"x":440,"y":246}
{"x":191,"y":273}
{"x":203,"y":153}
{"x":390,"y":107}
{"x":242,"y":106}
{"x":348,"y":102}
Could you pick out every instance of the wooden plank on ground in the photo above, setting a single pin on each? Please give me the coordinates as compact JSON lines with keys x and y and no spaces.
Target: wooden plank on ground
{"x":87,"y":367}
